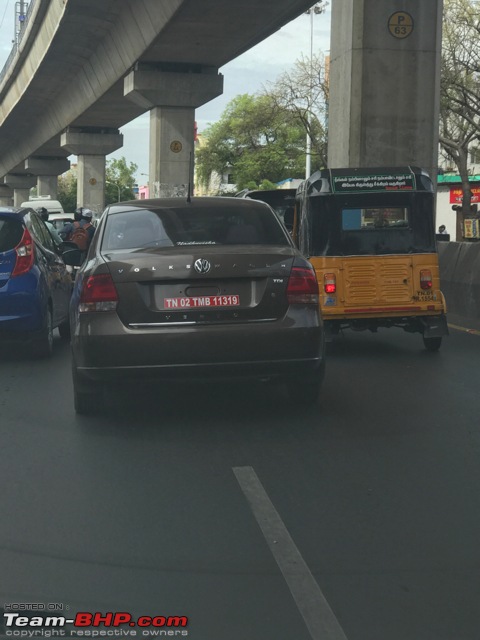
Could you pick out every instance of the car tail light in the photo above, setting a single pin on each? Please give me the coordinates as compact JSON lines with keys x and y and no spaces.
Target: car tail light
{"x":329,"y":283}
{"x":25,"y":250}
{"x":302,"y":286}
{"x":426,"y":279}
{"x":98,"y":294}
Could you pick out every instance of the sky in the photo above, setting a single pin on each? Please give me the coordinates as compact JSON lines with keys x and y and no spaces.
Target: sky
{"x":248,"y":73}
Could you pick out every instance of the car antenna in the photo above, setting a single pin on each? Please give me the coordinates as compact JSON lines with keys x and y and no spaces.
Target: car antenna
{"x":190,"y":171}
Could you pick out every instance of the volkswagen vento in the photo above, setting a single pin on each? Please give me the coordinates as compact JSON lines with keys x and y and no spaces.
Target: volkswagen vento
{"x":194,"y":288}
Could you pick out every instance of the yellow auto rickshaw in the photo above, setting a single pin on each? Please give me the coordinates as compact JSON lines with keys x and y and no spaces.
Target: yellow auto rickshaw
{"x":370,"y":235}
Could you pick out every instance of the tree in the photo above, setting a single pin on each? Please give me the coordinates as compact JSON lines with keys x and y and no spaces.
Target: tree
{"x":67,"y":190}
{"x":460,"y":91}
{"x":304,"y":92}
{"x":254,"y":140}
{"x":119,"y":180}
{"x":119,"y":184}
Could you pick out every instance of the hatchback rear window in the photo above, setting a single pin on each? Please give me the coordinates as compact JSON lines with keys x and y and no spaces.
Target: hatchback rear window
{"x":172,"y":227}
{"x":11,"y":232}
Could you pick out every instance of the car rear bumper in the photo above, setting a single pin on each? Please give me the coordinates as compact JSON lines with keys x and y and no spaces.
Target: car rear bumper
{"x":104,"y":349}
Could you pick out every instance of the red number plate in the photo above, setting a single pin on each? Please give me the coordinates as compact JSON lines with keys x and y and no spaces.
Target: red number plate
{"x":195,"y":302}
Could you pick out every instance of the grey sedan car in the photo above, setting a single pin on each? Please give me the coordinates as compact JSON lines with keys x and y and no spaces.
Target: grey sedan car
{"x":194,"y":289}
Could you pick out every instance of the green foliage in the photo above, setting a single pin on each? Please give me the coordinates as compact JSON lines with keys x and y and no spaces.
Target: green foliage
{"x":119,"y":180}
{"x":119,"y":184}
{"x":67,"y":190}
{"x":254,"y":140}
{"x":460,"y":87}
{"x":266,"y":185}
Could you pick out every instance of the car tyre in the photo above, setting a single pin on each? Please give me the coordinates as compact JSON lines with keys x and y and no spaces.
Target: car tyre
{"x":432,"y":344}
{"x":43,"y":344}
{"x":87,"y":398}
{"x":64,"y":330}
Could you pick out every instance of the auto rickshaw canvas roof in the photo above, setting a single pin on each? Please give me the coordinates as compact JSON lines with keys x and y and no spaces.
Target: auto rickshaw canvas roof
{"x":367,"y":180}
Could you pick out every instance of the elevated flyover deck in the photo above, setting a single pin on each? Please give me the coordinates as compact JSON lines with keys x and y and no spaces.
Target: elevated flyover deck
{"x":70,"y":66}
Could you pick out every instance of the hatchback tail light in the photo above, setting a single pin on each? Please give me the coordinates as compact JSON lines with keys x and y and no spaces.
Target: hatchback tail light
{"x":426,"y":279}
{"x":302,"y":286}
{"x":330,"y":283}
{"x":98,"y":294}
{"x":25,"y":250}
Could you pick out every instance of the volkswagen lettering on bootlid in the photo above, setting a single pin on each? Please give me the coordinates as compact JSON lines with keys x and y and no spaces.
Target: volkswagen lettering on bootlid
{"x":202,"y":266}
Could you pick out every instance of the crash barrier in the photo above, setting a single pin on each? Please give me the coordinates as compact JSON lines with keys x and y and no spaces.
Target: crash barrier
{"x":460,"y":281}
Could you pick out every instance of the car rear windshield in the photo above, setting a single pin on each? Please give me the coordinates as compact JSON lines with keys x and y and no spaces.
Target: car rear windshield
{"x":172,"y":227}
{"x":11,"y":232}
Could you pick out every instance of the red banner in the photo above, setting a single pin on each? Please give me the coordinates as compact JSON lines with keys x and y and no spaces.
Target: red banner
{"x":456,"y":195}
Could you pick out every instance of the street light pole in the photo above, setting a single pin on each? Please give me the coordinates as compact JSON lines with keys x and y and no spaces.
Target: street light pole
{"x":308,"y":153}
{"x":116,"y":185}
{"x":318,"y":8}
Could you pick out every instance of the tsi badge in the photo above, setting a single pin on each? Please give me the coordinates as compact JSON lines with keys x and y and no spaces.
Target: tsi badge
{"x":330,"y":301}
{"x":202,"y":266}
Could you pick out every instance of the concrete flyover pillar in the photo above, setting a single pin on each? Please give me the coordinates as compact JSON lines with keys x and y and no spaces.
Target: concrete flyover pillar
{"x":21,"y":185}
{"x":91,"y":147}
{"x":172,"y":93}
{"x":6,"y":196}
{"x":385,"y":83}
{"x":47,"y":169}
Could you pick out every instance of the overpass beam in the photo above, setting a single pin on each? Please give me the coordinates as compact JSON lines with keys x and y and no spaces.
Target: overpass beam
{"x":172,"y":95}
{"x":47,"y":169}
{"x":385,"y":83}
{"x":91,"y":148}
{"x":21,"y":185}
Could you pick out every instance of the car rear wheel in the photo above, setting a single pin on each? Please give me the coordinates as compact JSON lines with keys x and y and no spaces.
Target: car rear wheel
{"x":43,"y":344}
{"x":87,"y":397}
{"x":432,"y":344}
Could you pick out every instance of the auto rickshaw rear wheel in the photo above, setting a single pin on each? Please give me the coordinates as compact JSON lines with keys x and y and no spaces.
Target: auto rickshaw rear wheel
{"x":432,"y":344}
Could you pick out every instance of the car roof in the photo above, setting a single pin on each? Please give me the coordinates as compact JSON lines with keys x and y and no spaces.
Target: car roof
{"x":14,"y":211}
{"x":213,"y":202}
{"x":4,"y":209}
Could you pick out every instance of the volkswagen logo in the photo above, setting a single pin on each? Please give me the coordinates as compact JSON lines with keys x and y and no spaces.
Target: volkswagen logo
{"x":202,"y":266}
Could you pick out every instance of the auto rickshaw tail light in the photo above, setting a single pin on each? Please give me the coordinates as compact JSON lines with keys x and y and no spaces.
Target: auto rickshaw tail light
{"x":426,"y":279}
{"x":329,"y":283}
{"x":98,"y":294}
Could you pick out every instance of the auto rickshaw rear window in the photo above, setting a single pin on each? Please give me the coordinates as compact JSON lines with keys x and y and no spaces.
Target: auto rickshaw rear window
{"x":374,"y":218}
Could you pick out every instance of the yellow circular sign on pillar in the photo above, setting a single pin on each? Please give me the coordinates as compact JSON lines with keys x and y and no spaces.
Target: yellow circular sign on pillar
{"x":176,"y":146}
{"x":400,"y":24}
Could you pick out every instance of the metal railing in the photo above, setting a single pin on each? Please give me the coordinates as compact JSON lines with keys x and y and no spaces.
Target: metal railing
{"x":16,"y":45}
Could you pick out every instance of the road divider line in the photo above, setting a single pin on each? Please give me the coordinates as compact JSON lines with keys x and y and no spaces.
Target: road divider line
{"x":312,"y":604}
{"x":464,"y":329}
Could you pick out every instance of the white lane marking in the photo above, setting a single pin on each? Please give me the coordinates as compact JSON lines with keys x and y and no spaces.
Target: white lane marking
{"x":315,"y":610}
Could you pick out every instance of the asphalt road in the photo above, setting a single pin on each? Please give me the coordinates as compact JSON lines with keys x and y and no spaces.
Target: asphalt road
{"x":357,"y":519}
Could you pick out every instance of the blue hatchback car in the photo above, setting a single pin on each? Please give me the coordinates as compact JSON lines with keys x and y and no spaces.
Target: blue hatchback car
{"x":35,"y":286}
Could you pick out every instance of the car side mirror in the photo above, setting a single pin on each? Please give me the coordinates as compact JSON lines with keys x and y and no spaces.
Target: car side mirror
{"x":71,"y":254}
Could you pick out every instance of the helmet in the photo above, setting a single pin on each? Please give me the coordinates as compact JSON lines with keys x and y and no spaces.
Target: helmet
{"x":83,"y":212}
{"x":43,"y":213}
